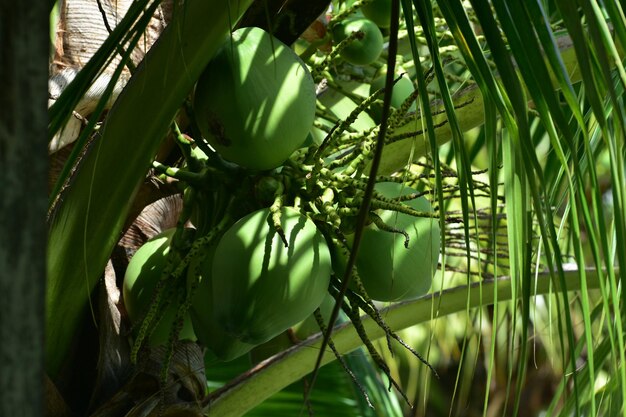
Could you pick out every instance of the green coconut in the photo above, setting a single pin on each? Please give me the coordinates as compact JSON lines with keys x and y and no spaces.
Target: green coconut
{"x":255,"y":101}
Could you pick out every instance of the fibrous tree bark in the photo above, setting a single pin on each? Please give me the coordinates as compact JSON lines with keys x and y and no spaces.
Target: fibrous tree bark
{"x":82,"y":28}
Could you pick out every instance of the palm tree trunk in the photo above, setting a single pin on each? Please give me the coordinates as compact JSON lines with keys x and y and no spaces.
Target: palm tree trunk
{"x":23,"y":157}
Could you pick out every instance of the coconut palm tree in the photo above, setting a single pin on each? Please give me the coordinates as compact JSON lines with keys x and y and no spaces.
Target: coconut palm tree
{"x":516,"y":138}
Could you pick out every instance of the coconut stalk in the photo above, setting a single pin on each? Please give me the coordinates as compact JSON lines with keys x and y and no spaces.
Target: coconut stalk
{"x":275,"y":373}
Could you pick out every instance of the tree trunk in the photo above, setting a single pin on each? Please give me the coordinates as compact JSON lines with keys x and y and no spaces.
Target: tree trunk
{"x":23,"y":158}
{"x":82,"y":28}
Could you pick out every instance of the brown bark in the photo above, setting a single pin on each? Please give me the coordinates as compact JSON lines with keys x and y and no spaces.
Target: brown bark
{"x":82,"y":28}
